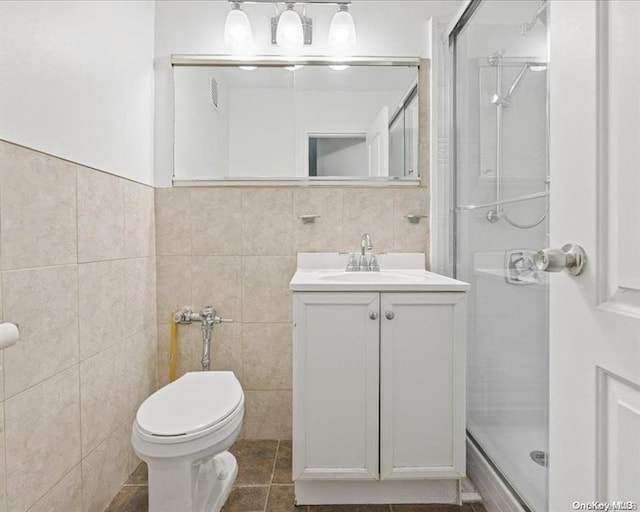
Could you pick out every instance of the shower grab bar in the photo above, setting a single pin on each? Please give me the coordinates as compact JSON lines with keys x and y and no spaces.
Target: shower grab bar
{"x":519,"y":199}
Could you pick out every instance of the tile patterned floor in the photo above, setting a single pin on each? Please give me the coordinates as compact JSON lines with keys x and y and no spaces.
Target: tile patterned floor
{"x":264,"y":485}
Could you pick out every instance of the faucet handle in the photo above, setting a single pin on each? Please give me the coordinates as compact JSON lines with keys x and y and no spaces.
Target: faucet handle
{"x":373,"y":263}
{"x":352,"y":263}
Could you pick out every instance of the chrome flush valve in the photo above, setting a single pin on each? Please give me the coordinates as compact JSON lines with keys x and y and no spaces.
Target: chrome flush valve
{"x":208,"y":318}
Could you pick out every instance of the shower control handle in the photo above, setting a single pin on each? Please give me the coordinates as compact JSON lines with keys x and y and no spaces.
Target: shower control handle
{"x":571,"y":257}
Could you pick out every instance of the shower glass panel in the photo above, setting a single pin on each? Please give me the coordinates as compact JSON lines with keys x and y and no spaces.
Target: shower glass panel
{"x":501,"y":217}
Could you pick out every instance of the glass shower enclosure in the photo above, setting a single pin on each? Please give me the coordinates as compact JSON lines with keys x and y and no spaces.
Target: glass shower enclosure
{"x":500,"y":217}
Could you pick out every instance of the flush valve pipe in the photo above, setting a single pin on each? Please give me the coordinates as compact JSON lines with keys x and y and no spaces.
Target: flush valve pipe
{"x":208,"y":318}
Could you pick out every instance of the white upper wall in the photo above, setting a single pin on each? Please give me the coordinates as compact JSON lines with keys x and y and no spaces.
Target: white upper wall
{"x":385,"y":28}
{"x":76,"y":81}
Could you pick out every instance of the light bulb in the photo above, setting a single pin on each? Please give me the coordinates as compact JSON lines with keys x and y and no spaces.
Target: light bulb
{"x":289,"y":33}
{"x":237,"y":29}
{"x":342,"y":31}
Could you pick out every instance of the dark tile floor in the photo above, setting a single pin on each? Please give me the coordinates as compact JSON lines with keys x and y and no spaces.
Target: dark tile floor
{"x":264,"y":485}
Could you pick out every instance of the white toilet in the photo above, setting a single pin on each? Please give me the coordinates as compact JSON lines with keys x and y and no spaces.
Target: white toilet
{"x":182,"y":432}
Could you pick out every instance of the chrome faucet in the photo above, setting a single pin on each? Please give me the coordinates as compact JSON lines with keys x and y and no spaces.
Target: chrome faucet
{"x":363,"y":263}
{"x":208,"y":318}
{"x":366,"y":243}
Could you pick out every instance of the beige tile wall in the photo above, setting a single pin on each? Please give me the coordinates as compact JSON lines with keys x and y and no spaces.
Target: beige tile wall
{"x":235,"y":248}
{"x":77,"y":268}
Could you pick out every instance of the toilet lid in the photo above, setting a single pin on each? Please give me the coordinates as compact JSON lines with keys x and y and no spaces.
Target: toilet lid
{"x":192,"y":403}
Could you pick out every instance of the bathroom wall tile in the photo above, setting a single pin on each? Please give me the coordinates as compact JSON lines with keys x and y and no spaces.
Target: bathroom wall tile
{"x":216,"y":227}
{"x":325,"y":234}
{"x":188,"y":348}
{"x":65,"y":495}
{"x":38,"y":209}
{"x":409,"y":237}
{"x":100,"y":216}
{"x":173,"y":221}
{"x":266,"y":354}
{"x":139,"y":220}
{"x":3,"y":476}
{"x":44,"y":301}
{"x":140,"y":294}
{"x":368,"y":211}
{"x":267,"y":227}
{"x":105,"y":470}
{"x":133,"y":460}
{"x":265,"y":288}
{"x":142,"y":371}
{"x":105,"y":402}
{"x":226,"y":349}
{"x":173,"y":285}
{"x":1,"y":357}
{"x":267,"y":415}
{"x":42,"y":438}
{"x":102,"y":305}
{"x":217,"y":281}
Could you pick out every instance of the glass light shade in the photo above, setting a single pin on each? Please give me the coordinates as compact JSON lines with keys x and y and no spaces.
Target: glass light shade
{"x":342,"y":31}
{"x":237,"y":29}
{"x":289,"y":33}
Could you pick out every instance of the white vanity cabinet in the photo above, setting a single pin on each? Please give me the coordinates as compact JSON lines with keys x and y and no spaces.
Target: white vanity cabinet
{"x":422,"y":385}
{"x":378,"y":386}
{"x":378,"y":383}
{"x":336,"y":377}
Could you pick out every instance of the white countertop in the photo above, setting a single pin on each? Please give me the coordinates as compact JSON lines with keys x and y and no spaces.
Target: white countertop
{"x":325,"y":272}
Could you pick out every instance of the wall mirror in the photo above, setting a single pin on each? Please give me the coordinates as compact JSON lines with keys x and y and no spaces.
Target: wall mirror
{"x":302,"y":119}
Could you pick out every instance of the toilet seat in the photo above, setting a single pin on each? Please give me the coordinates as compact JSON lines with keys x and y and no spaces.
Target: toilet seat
{"x":194,"y":405}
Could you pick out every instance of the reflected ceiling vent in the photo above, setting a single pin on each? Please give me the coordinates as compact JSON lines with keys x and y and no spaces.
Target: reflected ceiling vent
{"x":214,"y":92}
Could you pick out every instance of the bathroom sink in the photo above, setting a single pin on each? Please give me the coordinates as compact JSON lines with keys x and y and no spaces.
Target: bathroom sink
{"x":367,"y":277}
{"x":400,"y":273}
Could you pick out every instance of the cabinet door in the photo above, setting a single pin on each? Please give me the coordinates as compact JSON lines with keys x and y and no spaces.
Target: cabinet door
{"x":335,"y":386}
{"x":422,"y":383}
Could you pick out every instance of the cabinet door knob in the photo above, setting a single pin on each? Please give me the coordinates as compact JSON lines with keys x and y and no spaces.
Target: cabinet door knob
{"x":373,"y":315}
{"x":390,"y":315}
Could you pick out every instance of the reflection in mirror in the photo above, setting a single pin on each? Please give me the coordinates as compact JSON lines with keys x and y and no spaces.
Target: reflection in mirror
{"x":296,"y":122}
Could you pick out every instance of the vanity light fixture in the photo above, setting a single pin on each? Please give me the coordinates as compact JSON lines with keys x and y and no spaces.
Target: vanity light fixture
{"x":339,"y":67}
{"x":289,"y":28}
{"x":289,"y":32}
{"x":248,"y":68}
{"x":237,"y":28}
{"x":342,"y":31}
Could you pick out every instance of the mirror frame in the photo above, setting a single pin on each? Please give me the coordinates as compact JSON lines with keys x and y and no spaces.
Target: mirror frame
{"x":192,"y":60}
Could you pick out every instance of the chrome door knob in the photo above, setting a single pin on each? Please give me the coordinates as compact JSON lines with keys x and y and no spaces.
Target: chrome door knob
{"x":571,"y":257}
{"x":390,"y":315}
{"x":373,"y":315}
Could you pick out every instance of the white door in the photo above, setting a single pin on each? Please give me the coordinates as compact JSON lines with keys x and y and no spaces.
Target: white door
{"x":422,"y":385}
{"x":378,"y":144}
{"x":336,"y":348}
{"x":595,"y":201}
